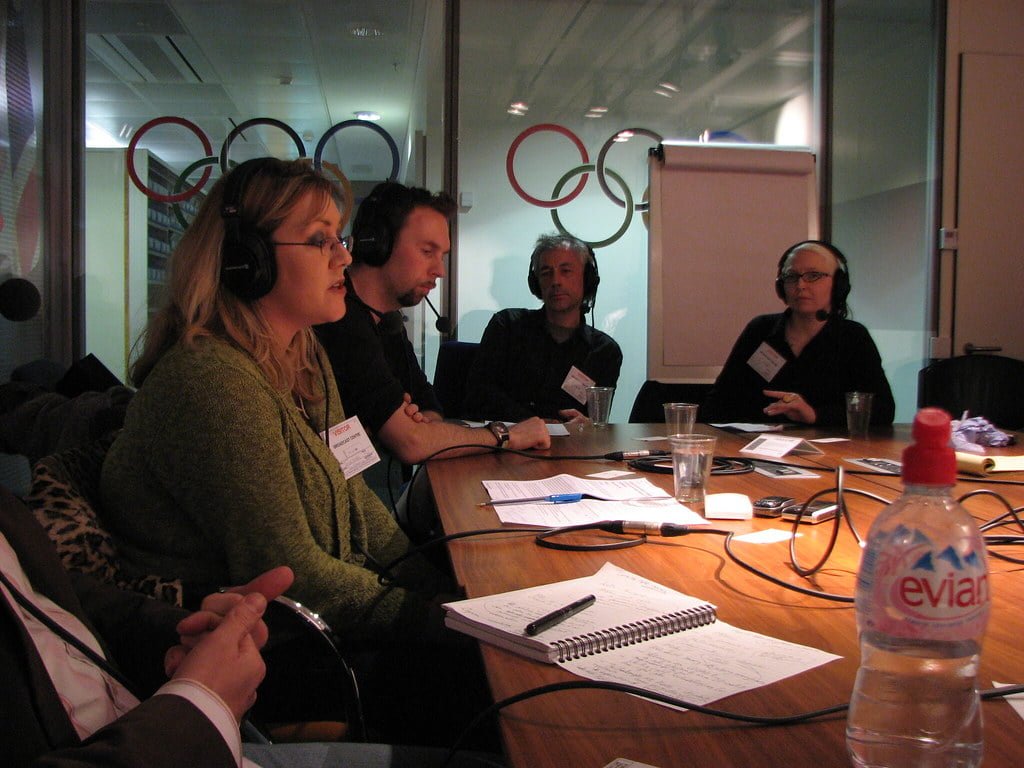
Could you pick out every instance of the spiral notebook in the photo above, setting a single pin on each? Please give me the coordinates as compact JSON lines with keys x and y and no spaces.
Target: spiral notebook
{"x":628,"y":609}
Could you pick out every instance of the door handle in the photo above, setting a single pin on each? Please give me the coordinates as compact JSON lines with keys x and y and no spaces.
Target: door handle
{"x":970,"y":349}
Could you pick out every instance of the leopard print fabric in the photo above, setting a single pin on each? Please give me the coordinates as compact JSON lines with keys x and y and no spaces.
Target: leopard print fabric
{"x":65,"y":489}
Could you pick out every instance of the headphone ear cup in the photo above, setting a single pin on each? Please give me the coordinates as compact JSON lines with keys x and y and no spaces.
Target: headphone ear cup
{"x":247,"y":265}
{"x":372,"y":245}
{"x":840,"y":287}
{"x":591,"y":279}
{"x":533,"y":283}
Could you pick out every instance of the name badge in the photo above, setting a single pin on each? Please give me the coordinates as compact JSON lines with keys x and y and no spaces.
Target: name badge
{"x":576,"y":383}
{"x":351,"y":446}
{"x":766,"y":361}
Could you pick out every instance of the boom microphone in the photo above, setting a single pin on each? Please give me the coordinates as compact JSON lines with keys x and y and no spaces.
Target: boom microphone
{"x":443,"y":324}
{"x":19,"y":299}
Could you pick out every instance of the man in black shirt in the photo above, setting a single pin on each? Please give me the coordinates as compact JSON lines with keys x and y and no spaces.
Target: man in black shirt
{"x":400,"y":241}
{"x":540,"y":362}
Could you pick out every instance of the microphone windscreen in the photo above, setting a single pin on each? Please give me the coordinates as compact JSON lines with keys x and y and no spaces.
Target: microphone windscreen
{"x":19,"y":299}
{"x":821,"y":315}
{"x":443,"y":324}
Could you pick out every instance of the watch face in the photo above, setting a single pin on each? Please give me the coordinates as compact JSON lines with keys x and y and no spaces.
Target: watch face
{"x":500,"y":431}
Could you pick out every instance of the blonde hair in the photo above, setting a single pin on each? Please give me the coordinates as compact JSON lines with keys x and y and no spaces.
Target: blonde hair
{"x":198,"y":305}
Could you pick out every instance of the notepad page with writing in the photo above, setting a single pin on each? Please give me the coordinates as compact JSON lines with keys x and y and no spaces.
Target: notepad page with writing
{"x":698,"y":665}
{"x":702,"y":666}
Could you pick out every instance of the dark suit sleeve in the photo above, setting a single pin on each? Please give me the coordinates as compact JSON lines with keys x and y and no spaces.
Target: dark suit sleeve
{"x":162,"y":731}
{"x":136,"y":630}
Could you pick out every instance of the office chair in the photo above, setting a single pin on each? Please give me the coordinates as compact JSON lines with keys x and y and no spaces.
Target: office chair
{"x":454,"y":359}
{"x":991,"y":386}
{"x":647,"y":407}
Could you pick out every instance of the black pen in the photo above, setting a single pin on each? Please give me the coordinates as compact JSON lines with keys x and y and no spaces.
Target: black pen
{"x":549,"y":620}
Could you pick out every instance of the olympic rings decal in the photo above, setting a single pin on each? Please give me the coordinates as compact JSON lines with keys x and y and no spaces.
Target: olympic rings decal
{"x":180,"y":194}
{"x":600,"y":169}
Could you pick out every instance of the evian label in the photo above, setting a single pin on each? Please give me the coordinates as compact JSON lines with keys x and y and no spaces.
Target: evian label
{"x":920,"y":591}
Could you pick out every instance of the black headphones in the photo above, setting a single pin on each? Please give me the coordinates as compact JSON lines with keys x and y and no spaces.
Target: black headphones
{"x":591,"y":277}
{"x":247,"y":265}
{"x":840,"y":279}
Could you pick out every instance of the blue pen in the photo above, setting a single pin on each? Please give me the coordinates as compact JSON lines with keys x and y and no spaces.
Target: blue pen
{"x":553,"y":498}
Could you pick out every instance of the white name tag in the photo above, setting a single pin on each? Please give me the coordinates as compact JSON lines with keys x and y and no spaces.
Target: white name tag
{"x":351,"y":446}
{"x":576,"y":383}
{"x":766,"y":361}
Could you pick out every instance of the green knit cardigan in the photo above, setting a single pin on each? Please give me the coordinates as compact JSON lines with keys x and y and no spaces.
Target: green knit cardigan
{"x":217,"y":477}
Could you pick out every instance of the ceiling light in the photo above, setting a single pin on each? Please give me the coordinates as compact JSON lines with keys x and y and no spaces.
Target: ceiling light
{"x":520,"y":105}
{"x":365,"y":30}
{"x":514,"y":111}
{"x":98,"y":136}
{"x":373,"y":117}
{"x":624,"y":136}
{"x":669,"y":87}
{"x":663,"y":92}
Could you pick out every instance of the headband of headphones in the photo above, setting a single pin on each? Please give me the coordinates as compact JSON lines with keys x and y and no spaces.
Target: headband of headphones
{"x":840,"y":278}
{"x":591,"y":276}
{"x":382,"y":215}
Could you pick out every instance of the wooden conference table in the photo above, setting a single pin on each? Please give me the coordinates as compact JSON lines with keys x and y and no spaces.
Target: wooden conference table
{"x":590,"y":728}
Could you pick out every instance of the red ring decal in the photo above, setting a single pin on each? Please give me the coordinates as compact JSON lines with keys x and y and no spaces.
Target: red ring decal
{"x":510,"y":165}
{"x":181,"y":196}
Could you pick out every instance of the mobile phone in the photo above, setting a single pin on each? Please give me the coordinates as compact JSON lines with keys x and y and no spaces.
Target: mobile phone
{"x":771,"y":506}
{"x":816,"y":512}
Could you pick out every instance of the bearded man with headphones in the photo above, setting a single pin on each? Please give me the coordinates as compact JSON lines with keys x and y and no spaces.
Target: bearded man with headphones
{"x":539,"y":362}
{"x":400,"y":242}
{"x":797,"y":365}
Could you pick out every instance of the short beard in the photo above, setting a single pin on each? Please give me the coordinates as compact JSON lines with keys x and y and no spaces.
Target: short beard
{"x":409,"y":299}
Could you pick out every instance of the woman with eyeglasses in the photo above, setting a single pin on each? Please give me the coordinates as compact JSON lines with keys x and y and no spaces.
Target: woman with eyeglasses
{"x":223,"y":469}
{"x":796,"y":366}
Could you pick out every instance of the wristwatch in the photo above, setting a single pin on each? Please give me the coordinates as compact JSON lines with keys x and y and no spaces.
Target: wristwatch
{"x":500,"y":432}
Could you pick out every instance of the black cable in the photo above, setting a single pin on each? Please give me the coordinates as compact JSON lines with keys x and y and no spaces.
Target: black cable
{"x":720,"y":465}
{"x":778,"y":720}
{"x":385,"y":572}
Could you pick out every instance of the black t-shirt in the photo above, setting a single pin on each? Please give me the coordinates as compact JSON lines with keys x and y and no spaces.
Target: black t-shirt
{"x":373,"y":368}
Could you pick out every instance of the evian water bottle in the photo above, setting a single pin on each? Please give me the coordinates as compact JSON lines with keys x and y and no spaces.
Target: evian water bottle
{"x":922,"y":606}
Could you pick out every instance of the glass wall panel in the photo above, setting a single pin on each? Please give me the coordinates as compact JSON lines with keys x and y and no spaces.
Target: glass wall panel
{"x":190,"y":85}
{"x":547,"y":89}
{"x":883,"y":175}
{"x":22,"y":218}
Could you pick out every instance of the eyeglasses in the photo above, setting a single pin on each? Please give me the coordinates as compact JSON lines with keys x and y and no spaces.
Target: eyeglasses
{"x":792,"y":278}
{"x":326,"y":246}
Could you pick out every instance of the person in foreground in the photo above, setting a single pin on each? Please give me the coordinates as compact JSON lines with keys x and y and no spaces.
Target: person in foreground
{"x":61,"y":708}
{"x":540,"y":362}
{"x":796,"y":366}
{"x":222,"y":469}
{"x":401,"y":239}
